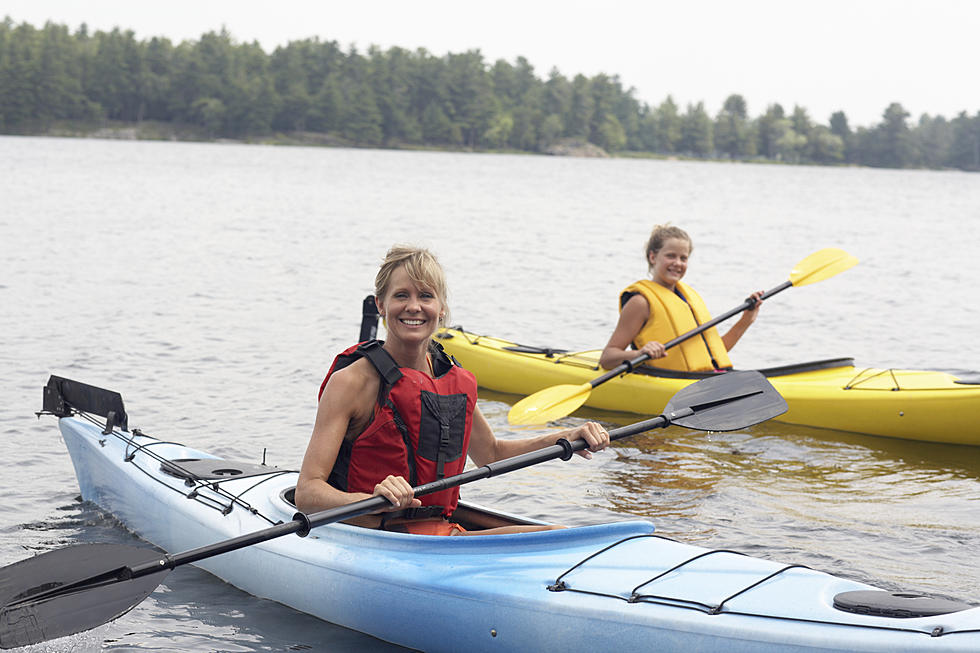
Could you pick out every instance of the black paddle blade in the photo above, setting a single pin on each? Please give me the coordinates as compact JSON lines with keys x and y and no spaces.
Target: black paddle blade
{"x":727,"y":402}
{"x":25,"y":620}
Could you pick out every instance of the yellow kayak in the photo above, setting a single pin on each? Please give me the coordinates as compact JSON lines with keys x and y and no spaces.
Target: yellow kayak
{"x":832,"y":394}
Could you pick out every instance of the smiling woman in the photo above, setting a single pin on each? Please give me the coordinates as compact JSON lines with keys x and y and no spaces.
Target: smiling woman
{"x":655,"y":311}
{"x":411,"y":288}
{"x":398,"y":413}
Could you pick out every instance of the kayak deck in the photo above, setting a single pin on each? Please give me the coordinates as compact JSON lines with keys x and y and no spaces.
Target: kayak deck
{"x":602,"y":587}
{"x":834,"y":394}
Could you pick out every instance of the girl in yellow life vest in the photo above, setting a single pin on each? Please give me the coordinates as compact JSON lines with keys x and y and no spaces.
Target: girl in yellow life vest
{"x":656,"y":311}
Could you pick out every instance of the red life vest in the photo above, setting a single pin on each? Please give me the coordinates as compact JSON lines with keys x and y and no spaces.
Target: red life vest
{"x":420,"y":430}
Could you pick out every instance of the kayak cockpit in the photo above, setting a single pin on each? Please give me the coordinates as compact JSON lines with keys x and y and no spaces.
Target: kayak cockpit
{"x":470,"y":516}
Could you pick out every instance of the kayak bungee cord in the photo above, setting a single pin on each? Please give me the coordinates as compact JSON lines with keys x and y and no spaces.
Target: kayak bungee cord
{"x":858,"y":380}
{"x":718,"y":608}
{"x":192,"y":481}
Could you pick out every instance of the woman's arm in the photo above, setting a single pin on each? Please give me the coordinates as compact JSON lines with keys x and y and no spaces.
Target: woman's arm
{"x":739,"y":328}
{"x":485,"y":447}
{"x":631,"y":319}
{"x":347,"y":405}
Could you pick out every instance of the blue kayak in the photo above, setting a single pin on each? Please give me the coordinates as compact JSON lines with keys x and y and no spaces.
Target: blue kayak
{"x":614,"y":586}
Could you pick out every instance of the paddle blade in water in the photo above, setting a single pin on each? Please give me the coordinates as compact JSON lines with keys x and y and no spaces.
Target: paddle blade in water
{"x":549,"y":404}
{"x":727,"y":402}
{"x":24,"y":621}
{"x":821,"y":265}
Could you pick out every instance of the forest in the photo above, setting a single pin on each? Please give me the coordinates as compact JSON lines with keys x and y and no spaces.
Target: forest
{"x":218,"y":88}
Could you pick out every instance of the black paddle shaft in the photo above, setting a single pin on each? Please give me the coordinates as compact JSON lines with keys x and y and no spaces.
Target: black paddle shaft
{"x":725,"y":402}
{"x":303,"y":523}
{"x":563,"y":449}
{"x":628,"y":366}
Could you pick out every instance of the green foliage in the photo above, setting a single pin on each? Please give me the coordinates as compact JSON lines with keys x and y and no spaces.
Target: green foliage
{"x":697,"y":131}
{"x":770,"y":127}
{"x":734,"y":135}
{"x":667,"y":126}
{"x":396,"y":97}
{"x":890,"y":144}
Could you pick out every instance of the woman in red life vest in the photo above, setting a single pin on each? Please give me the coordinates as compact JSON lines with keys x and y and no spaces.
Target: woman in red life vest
{"x":656,"y":311}
{"x":400,"y":413}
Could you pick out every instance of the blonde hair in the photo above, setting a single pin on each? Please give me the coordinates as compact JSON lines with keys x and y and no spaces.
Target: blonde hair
{"x":661,"y":234}
{"x":423,"y":269}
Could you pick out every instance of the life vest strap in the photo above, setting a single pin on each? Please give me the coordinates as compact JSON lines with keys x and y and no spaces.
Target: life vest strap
{"x":383,"y":362}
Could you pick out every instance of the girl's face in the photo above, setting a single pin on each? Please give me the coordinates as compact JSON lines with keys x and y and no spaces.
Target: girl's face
{"x":411,"y":312}
{"x":670,"y":263}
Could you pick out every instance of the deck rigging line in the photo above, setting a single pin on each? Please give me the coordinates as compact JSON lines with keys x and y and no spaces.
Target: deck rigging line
{"x":224,"y":502}
{"x":561,"y":585}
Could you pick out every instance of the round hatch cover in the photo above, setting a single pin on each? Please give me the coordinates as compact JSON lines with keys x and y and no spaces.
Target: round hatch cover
{"x":901,"y":605}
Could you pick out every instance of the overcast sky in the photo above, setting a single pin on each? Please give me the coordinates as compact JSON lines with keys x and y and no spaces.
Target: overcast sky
{"x":852,"y":55}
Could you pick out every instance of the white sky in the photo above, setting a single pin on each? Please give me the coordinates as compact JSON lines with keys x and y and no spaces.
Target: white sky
{"x":852,"y":55}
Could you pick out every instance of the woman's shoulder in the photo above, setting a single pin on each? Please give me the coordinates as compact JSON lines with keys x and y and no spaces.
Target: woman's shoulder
{"x":635,"y":301}
{"x":355,"y":380}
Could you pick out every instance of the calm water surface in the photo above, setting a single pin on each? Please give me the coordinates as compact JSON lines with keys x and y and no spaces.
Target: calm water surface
{"x":212,"y":285}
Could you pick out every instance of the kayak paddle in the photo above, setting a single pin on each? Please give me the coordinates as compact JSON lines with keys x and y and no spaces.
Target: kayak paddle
{"x":558,"y":401}
{"x":70,"y":590}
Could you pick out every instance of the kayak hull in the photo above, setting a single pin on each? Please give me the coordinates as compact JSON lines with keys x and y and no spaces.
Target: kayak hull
{"x":909,"y":404}
{"x":486,"y":593}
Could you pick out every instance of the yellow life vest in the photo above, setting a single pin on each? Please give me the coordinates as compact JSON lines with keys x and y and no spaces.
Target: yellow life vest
{"x":670,"y":316}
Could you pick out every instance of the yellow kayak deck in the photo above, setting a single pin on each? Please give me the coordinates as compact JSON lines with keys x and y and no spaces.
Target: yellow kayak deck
{"x":833,"y":394}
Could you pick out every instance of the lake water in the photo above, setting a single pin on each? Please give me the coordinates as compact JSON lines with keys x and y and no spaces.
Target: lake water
{"x":212,"y":284}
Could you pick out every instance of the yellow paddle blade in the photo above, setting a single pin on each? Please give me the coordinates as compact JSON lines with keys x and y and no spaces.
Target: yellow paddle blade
{"x":821,"y":265}
{"x":549,"y":404}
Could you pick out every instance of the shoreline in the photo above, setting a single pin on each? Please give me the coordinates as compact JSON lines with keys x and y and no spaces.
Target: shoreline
{"x":181,"y":133}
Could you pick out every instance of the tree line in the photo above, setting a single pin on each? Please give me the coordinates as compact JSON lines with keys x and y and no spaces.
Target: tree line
{"x":403,"y":98}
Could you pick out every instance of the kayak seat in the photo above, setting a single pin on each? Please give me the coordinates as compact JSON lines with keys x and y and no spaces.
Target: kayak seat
{"x":478,"y":518}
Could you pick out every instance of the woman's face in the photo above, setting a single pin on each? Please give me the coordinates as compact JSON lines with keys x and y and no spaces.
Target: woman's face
{"x":670,"y":262}
{"x":411,"y":312}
